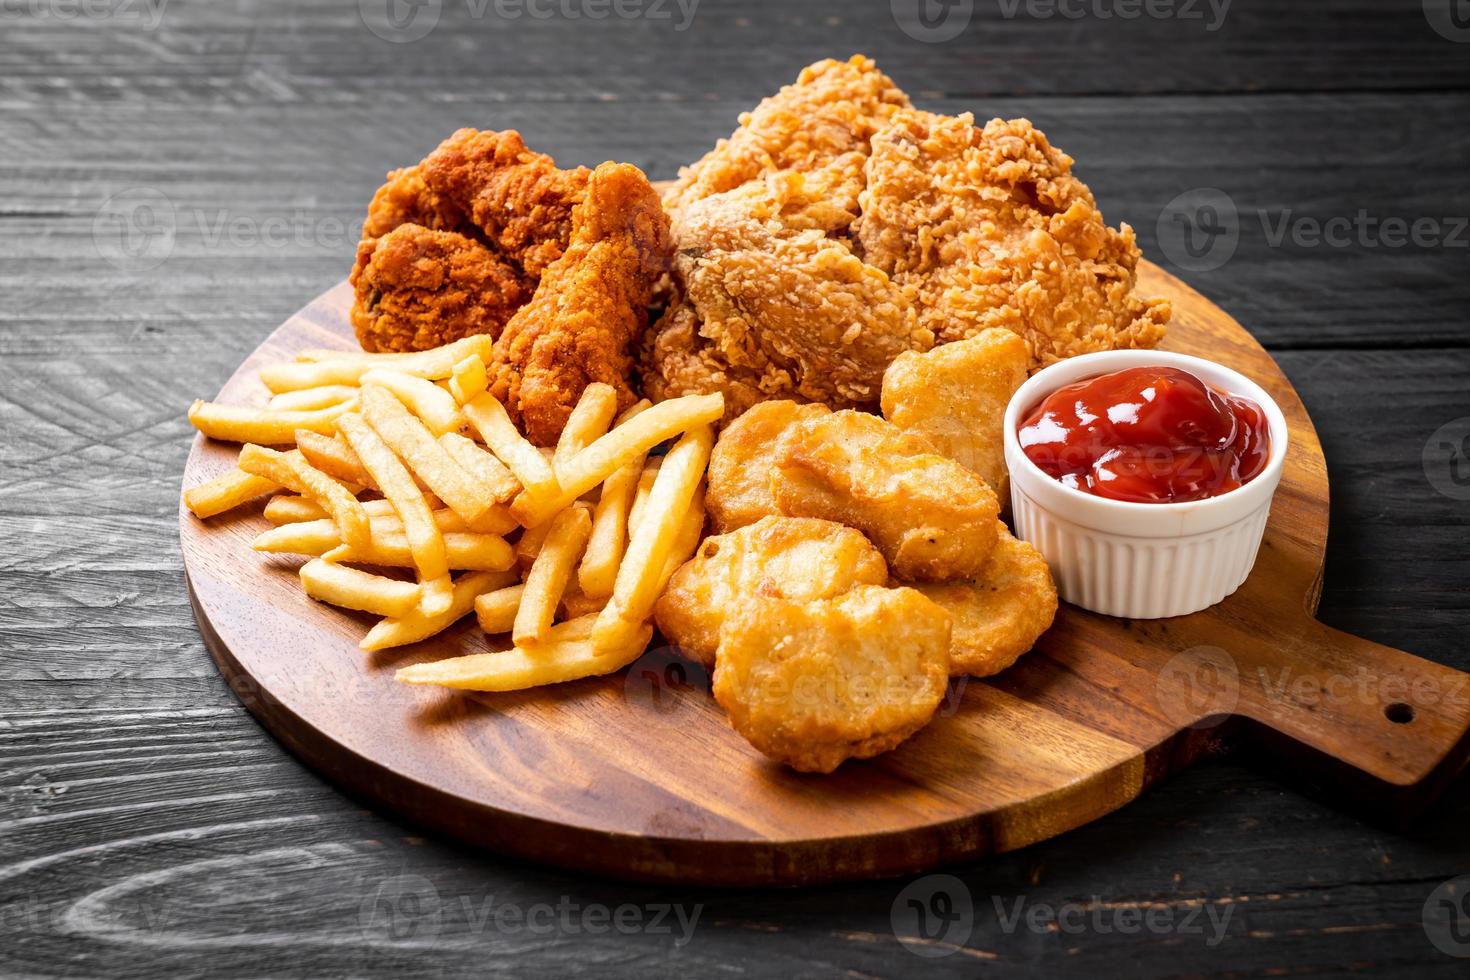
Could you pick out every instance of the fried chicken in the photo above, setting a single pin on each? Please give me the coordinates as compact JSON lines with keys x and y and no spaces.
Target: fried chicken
{"x":589,"y":308}
{"x":840,"y":227}
{"x":491,"y":216}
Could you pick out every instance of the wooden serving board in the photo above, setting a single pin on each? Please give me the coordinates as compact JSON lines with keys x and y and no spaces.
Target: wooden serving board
{"x":639,"y":774}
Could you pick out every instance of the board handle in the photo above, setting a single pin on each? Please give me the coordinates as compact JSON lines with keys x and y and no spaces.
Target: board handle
{"x":1385,"y":727}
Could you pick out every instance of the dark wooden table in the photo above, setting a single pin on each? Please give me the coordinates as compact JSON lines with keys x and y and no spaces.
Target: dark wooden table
{"x":149,"y":827}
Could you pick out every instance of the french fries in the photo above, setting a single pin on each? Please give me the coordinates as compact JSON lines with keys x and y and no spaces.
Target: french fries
{"x":234,"y":423}
{"x":353,"y":589}
{"x":597,"y":462}
{"x":610,"y":524}
{"x":557,"y":661}
{"x":334,"y":457}
{"x":417,"y":625}
{"x":469,"y":379}
{"x":463,"y":550}
{"x":431,"y":403}
{"x":288,"y":509}
{"x":493,"y":423}
{"x":496,"y":611}
{"x":481,"y":465}
{"x":549,"y":575}
{"x":651,"y":546}
{"x":421,"y":532}
{"x":415,"y":444}
{"x":291,"y":470}
{"x":310,"y":399}
{"x":227,"y":492}
{"x":589,"y":419}
{"x":436,"y":363}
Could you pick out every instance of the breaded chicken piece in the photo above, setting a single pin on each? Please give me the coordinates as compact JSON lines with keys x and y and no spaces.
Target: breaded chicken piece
{"x":833,"y":108}
{"x":776,"y":557}
{"x":1000,"y":615}
{"x":743,"y":458}
{"x":590,"y":306}
{"x":989,"y":228}
{"x":418,"y":288}
{"x":956,"y":396}
{"x":933,"y":519}
{"x":812,"y":683}
{"x":785,"y":307}
{"x":518,"y":199}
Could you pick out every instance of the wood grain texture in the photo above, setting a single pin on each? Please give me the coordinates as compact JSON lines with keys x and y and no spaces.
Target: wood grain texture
{"x":129,"y":770}
{"x":1102,"y":708}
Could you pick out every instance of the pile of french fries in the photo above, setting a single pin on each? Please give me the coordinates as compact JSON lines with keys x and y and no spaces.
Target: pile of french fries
{"x":375,"y":464}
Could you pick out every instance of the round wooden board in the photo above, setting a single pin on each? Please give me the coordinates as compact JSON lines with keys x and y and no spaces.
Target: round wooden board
{"x":639,"y":774}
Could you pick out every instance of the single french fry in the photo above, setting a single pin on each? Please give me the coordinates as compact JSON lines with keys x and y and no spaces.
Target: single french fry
{"x":597,"y":462}
{"x":421,"y":531}
{"x":640,"y":494}
{"x":226,"y":492}
{"x":434,"y":406}
{"x":463,"y":550}
{"x":291,"y":470}
{"x":292,"y":509}
{"x":576,"y":603}
{"x":437,"y":362}
{"x":496,"y":610}
{"x":490,"y":419}
{"x":481,"y":465}
{"x":609,"y":536}
{"x":353,"y":589}
{"x":446,"y":519}
{"x":310,"y":399}
{"x":589,"y":419}
{"x":469,"y":379}
{"x":529,"y":545}
{"x":334,"y":457}
{"x":651,"y":545}
{"x":286,"y":509}
{"x":686,"y":540}
{"x":400,"y":630}
{"x":238,"y":423}
{"x":562,"y":658}
{"x":549,"y":575}
{"x":415,"y":444}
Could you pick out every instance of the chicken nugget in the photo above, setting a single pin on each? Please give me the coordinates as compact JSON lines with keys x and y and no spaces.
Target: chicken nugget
{"x":776,"y":557}
{"x":956,"y":396}
{"x":740,"y":466}
{"x":811,"y":683}
{"x":1000,"y":615}
{"x":933,"y":519}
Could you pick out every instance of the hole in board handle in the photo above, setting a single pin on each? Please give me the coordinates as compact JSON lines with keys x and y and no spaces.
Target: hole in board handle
{"x":1399,"y":713}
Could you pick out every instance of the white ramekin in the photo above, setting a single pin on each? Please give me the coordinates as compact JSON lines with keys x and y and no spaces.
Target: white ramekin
{"x":1140,"y":561}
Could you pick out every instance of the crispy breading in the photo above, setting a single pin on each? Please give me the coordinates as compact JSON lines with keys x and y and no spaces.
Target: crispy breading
{"x":419,"y":288}
{"x":590,"y":306}
{"x":956,"y":395}
{"x":933,"y":519}
{"x":776,"y":557}
{"x":812,"y":683}
{"x":1001,"y":614}
{"x":989,"y":228}
{"x":741,"y":464}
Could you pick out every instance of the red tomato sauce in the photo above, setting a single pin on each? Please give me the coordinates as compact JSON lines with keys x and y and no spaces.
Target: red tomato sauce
{"x":1152,"y":435}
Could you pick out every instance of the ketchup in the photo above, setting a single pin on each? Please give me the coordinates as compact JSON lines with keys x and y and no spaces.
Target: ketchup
{"x":1152,"y":435}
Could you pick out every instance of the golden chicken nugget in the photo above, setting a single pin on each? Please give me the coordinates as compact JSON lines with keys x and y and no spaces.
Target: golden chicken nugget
{"x":956,"y":395}
{"x":933,"y":519}
{"x":776,"y":557}
{"x":811,"y":683}
{"x":740,"y":467}
{"x":1000,"y":615}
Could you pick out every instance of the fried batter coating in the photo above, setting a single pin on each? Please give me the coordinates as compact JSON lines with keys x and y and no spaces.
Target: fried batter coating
{"x":741,"y":464}
{"x":419,"y":288}
{"x":776,"y":557}
{"x":989,"y":228}
{"x":1000,"y":615}
{"x":933,"y":519}
{"x":956,"y":396}
{"x":589,"y":308}
{"x":812,"y":683}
